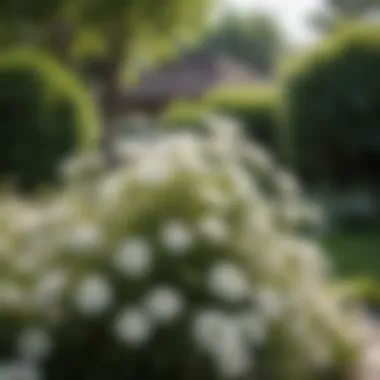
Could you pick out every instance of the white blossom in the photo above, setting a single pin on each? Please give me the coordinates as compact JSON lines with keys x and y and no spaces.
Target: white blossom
{"x":233,"y":360}
{"x":34,"y":344}
{"x":151,"y":171}
{"x":94,"y":295}
{"x":133,"y":326}
{"x":211,"y":328}
{"x":133,"y":258}
{"x":84,"y":237}
{"x":222,"y":338}
{"x":269,"y":302}
{"x":214,"y":229}
{"x":50,"y":287}
{"x":228,"y":282}
{"x":19,"y":370}
{"x":164,"y":303}
{"x":176,"y":238}
{"x":254,"y":326}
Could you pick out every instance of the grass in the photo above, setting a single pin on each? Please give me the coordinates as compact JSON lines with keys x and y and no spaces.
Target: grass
{"x":356,"y":257}
{"x":355,"y":254}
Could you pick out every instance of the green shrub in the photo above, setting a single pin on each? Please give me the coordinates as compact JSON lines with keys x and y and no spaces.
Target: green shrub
{"x":183,"y":113}
{"x":254,"y":108}
{"x":184,"y":262}
{"x":331,"y":102}
{"x":45,"y":115}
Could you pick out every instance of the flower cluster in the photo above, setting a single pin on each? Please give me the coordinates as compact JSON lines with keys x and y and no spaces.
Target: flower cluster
{"x":185,"y":261}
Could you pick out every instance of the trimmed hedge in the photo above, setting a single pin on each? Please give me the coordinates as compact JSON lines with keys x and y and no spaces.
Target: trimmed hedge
{"x":45,"y":115}
{"x":331,"y":103}
{"x":254,"y":108}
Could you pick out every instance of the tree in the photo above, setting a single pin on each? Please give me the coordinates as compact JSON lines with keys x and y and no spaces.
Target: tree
{"x":338,"y":11}
{"x":352,"y":8}
{"x":254,"y":39}
{"x":122,"y":26}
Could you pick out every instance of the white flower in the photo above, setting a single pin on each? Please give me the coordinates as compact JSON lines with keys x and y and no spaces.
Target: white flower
{"x":84,"y":237}
{"x":164,"y":303}
{"x":176,"y":238}
{"x":269,"y":302}
{"x":133,"y":258}
{"x":214,"y":229}
{"x":76,"y":167}
{"x":233,"y":361}
{"x":30,"y":221}
{"x":211,"y":328}
{"x":228,"y":282}
{"x":152,"y":171}
{"x":287,"y":183}
{"x":221,"y":337}
{"x":110,"y":189}
{"x":253,"y":326}
{"x":50,"y":287}
{"x":130,"y":150}
{"x":34,"y":345}
{"x":257,"y":157}
{"x":93,"y":296}
{"x":244,"y":185}
{"x":132,"y":326}
{"x":19,"y":370}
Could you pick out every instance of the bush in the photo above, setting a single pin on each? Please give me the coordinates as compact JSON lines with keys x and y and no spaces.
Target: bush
{"x":186,"y":261}
{"x":184,"y":113}
{"x":255,"y":109}
{"x":45,"y":115}
{"x":331,"y":103}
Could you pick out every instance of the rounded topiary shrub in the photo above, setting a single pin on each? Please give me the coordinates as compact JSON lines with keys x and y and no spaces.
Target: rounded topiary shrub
{"x":186,"y":262}
{"x":45,"y":115}
{"x":331,"y":110}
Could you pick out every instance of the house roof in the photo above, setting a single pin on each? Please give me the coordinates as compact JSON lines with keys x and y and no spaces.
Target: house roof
{"x":191,"y":76}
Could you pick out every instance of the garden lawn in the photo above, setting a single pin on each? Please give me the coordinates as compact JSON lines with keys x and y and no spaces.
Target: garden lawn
{"x":355,"y":254}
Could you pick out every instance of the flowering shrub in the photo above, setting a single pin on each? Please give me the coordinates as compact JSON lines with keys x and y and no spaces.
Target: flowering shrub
{"x":185,"y":262}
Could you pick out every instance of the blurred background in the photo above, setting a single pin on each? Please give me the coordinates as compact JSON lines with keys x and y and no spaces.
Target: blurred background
{"x":301,"y":76}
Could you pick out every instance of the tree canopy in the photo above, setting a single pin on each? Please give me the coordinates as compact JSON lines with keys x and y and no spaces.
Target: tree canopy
{"x":254,"y":39}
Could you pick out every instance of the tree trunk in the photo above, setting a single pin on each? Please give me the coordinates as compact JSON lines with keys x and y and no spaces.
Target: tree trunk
{"x":60,"y":41}
{"x":110,"y":100}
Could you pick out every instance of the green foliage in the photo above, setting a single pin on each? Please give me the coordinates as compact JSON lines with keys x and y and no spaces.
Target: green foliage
{"x":45,"y":115}
{"x":352,"y":7}
{"x":355,"y":254}
{"x":182,"y":262}
{"x":253,"y":39}
{"x":117,"y":30}
{"x":183,"y":113}
{"x":331,"y":109}
{"x":255,"y":109}
{"x":367,"y":290}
